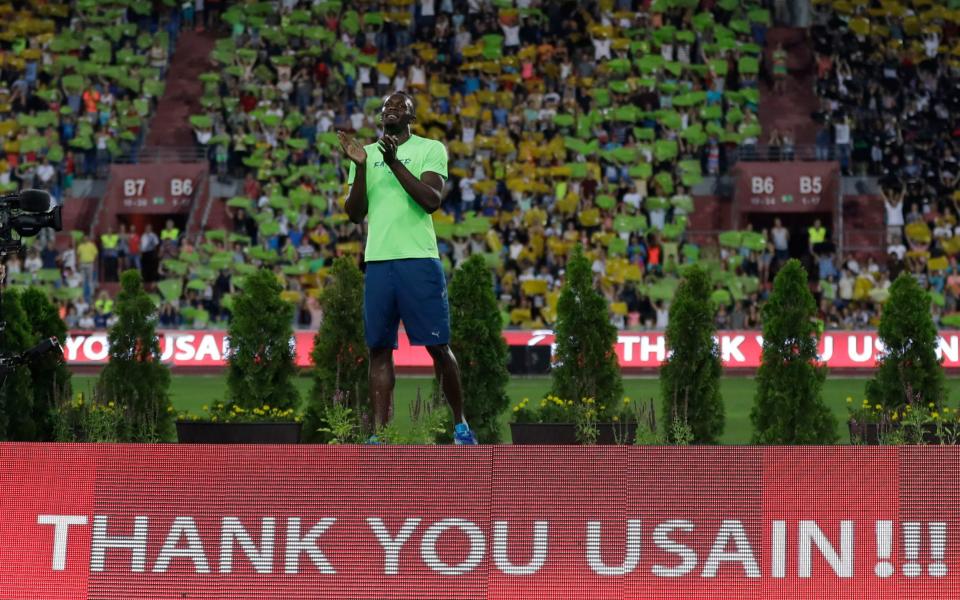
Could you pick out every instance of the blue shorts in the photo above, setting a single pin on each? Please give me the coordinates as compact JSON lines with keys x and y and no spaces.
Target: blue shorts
{"x":412,"y":290}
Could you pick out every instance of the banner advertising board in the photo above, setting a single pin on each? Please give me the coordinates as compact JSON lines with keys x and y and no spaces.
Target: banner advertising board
{"x":129,"y":522}
{"x":636,"y":350}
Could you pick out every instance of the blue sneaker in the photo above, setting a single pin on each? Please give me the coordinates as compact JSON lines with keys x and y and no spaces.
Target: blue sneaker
{"x":372,"y":441}
{"x":462,"y":436}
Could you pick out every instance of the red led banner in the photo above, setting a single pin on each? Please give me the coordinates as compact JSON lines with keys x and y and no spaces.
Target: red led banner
{"x":115,"y":522}
{"x":636,"y":350}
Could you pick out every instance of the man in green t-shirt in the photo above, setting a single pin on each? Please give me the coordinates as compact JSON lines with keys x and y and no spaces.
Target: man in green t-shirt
{"x":396,"y":183}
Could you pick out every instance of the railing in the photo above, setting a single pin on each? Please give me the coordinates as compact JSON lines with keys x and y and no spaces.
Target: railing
{"x":186,"y":154}
{"x":767,"y":153}
{"x":756,"y":153}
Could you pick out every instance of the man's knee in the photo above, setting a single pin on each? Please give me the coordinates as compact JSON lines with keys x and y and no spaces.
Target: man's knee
{"x":379,"y":355}
{"x":439,"y":351}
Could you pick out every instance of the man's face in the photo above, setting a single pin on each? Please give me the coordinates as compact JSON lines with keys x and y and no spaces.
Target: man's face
{"x":397,"y":110}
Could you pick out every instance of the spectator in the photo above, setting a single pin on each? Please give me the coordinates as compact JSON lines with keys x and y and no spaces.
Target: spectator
{"x":104,"y":310}
{"x":663,"y":315}
{"x":781,"y":241}
{"x":780,"y":69}
{"x":87,"y":258}
{"x":149,"y":248}
{"x":893,"y":203}
{"x":133,"y":249}
{"x":817,"y":237}
{"x":170,"y":236}
{"x":72,"y":319}
{"x":110,"y":245}
{"x":72,"y":279}
{"x":87,"y":321}
{"x":49,"y":256}
{"x":33,"y":263}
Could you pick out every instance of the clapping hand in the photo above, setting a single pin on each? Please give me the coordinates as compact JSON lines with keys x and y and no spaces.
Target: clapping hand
{"x":352,"y":148}
{"x":388,"y":147}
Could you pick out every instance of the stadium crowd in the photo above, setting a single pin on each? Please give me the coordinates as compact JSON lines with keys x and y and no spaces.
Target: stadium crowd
{"x":78,"y":82}
{"x":565,"y":123}
{"x":887,"y":78}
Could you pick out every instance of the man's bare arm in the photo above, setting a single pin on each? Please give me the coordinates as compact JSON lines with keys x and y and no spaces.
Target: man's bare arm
{"x":356,"y":205}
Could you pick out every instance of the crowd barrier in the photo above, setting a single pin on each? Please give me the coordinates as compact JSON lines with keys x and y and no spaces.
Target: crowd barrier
{"x":129,"y":522}
{"x":636,"y":350}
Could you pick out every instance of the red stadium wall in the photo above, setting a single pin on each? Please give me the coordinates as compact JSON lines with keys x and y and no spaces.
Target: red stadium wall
{"x":129,"y":522}
{"x":710,"y":216}
{"x":636,"y":350}
{"x":153,"y":192}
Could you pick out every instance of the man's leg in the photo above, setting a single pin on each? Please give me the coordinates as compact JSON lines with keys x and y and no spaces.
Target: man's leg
{"x":382,"y":380}
{"x":448,"y":374}
{"x":380,"y":322}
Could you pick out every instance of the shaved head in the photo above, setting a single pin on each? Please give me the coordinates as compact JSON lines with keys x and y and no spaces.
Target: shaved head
{"x":398,"y":111}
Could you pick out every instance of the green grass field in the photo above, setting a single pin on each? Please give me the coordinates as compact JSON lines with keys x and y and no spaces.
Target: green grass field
{"x":190,"y":392}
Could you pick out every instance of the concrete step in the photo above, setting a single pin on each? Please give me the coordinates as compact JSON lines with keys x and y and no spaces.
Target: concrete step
{"x":171,"y":126}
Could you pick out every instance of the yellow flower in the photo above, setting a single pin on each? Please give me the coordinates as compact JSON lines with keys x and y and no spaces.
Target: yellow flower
{"x":516,"y":408}
{"x":615,"y":418}
{"x":894,"y":417}
{"x":110,"y":404}
{"x":214,"y":418}
{"x":169,"y":409}
{"x":931,"y":405}
{"x":525,"y":400}
{"x":935,"y":415}
{"x":849,"y":399}
{"x":205,"y":407}
{"x":626,"y":399}
{"x":266,"y":407}
{"x":877,"y":407}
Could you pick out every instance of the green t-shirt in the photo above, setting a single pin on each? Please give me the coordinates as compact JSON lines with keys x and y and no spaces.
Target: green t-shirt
{"x":399,"y":227}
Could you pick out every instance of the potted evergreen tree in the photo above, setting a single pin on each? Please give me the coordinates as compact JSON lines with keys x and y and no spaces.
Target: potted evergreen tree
{"x":477,"y":341}
{"x":585,"y":404}
{"x":788,"y":406}
{"x":340,"y":358}
{"x":135,"y":380}
{"x":690,"y":378}
{"x":909,"y":380}
{"x":261,"y":400}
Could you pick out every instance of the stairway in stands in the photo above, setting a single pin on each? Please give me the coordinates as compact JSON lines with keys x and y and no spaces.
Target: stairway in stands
{"x":791,"y":111}
{"x":864,"y":227}
{"x":171,"y":127}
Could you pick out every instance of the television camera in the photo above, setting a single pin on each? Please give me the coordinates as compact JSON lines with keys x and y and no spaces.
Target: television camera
{"x":24,"y":213}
